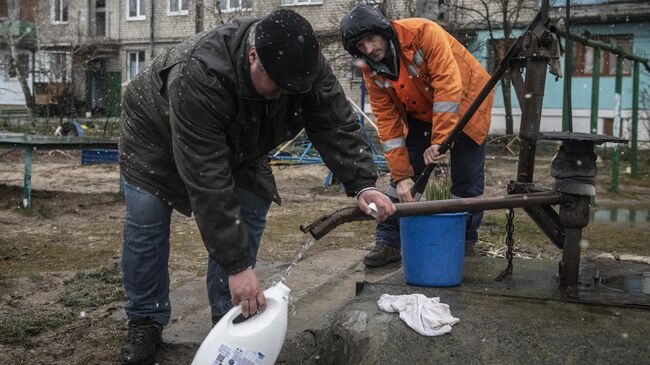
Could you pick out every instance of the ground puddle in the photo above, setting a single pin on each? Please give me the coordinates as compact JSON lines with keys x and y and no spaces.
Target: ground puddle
{"x":620,"y":215}
{"x":635,"y":283}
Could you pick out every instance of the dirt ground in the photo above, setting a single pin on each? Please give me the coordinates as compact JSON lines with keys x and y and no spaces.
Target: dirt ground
{"x":60,"y":281}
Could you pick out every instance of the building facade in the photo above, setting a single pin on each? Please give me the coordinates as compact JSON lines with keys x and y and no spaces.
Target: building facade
{"x":624,"y":23}
{"x":88,"y":51}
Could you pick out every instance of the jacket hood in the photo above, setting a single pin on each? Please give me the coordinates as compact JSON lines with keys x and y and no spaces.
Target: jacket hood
{"x":364,"y":19}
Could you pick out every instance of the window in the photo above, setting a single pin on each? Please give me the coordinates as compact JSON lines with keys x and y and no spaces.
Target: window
{"x":53,"y":67}
{"x":60,"y":11}
{"x":234,"y":5}
{"x":442,"y":10}
{"x":301,"y":2}
{"x":100,"y":19}
{"x":136,"y":63}
{"x":135,"y":9}
{"x":177,"y":7}
{"x":584,"y":56}
{"x":4,"y":11}
{"x":357,"y":74}
{"x":562,"y":3}
{"x":608,"y":126}
{"x":58,"y":67}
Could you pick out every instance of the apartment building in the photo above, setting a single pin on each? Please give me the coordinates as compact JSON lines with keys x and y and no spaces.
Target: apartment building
{"x":87,"y":51}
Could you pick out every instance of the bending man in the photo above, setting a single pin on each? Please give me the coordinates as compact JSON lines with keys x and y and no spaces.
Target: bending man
{"x":196,"y":129}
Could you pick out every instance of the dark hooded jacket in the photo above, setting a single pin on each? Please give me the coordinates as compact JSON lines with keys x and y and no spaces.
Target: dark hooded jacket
{"x":193,"y":128}
{"x":364,"y":19}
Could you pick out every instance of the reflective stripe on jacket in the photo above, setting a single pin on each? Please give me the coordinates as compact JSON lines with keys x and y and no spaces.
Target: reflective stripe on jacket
{"x":438,"y":80}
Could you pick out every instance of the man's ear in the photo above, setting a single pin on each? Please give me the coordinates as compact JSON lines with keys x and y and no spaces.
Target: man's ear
{"x":252,"y":56}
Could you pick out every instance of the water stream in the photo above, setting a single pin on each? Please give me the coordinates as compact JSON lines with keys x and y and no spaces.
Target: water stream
{"x":305,"y":247}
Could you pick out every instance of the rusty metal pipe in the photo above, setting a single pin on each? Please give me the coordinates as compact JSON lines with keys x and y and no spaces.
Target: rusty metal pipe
{"x":327,"y":223}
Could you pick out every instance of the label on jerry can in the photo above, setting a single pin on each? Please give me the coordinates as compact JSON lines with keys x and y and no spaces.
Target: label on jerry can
{"x":230,"y":355}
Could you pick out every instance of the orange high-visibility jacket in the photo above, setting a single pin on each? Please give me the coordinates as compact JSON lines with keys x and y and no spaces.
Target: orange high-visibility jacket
{"x":449,"y":75}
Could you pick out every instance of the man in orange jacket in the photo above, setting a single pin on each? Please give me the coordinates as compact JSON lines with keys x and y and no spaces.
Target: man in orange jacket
{"x":420,"y":80}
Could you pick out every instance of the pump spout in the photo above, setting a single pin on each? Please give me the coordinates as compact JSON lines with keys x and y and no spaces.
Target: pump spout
{"x":325,"y":224}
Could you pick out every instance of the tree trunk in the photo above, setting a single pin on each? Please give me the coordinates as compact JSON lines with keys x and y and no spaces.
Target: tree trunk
{"x":507,"y":103}
{"x":21,"y":70}
{"x":29,"y":99}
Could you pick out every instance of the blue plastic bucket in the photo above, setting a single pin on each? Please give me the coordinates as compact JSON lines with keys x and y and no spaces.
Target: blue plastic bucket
{"x":433,"y":248}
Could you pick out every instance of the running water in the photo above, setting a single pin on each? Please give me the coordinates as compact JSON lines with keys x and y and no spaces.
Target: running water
{"x":303,"y":251}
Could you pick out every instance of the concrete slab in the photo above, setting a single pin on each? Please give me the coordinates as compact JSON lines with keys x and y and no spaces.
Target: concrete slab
{"x":318,"y":284}
{"x":525,"y":319}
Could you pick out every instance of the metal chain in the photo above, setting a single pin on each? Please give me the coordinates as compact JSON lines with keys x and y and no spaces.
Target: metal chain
{"x":510,"y":228}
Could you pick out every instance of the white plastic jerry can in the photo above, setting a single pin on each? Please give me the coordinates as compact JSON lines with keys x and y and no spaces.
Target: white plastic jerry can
{"x":256,"y":340}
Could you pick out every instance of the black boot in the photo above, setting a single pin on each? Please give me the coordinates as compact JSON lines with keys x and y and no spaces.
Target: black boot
{"x":145,"y":336}
{"x":382,"y":255}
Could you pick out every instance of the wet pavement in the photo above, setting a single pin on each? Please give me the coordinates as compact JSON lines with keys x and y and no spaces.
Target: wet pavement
{"x":523,"y":319}
{"x":334,"y":318}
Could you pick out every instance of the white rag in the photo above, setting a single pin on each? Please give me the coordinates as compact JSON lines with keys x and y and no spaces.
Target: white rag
{"x":425,"y":315}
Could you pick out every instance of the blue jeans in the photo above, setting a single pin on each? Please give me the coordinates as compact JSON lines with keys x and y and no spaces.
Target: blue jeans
{"x":145,"y":253}
{"x":467,"y":178}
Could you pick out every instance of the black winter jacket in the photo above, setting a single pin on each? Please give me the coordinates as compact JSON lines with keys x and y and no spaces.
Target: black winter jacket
{"x":193,"y":128}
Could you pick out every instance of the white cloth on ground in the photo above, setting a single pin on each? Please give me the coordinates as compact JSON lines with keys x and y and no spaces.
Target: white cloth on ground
{"x":425,"y":315}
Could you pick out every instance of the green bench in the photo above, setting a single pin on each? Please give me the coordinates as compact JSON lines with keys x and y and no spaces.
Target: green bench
{"x":30,"y":142}
{"x":13,"y":113}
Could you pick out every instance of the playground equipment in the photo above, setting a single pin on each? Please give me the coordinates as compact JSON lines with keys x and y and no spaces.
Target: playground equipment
{"x":300,"y":150}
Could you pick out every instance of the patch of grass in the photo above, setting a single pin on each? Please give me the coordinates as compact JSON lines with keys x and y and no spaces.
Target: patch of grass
{"x":493,"y":228}
{"x":18,"y":327}
{"x":93,"y":289}
{"x":62,"y":248}
{"x":603,"y":236}
{"x":642,"y":179}
{"x":439,"y":188}
{"x":617,"y":238}
{"x":44,"y":211}
{"x":35,"y":277}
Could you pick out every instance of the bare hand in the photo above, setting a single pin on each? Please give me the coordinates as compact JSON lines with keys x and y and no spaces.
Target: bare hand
{"x":432,"y":155}
{"x":404,"y":190}
{"x":385,"y":207}
{"x":245,"y":289}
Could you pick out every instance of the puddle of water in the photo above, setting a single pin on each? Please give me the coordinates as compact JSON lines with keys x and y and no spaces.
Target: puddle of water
{"x":619,"y":215}
{"x":638,"y":283}
{"x":301,"y":253}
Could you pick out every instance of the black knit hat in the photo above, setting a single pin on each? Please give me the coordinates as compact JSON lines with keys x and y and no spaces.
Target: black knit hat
{"x":288,"y":48}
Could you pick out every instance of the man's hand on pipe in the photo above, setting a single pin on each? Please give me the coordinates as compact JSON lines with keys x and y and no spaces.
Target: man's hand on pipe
{"x":403,"y":188}
{"x":382,"y":203}
{"x":432,"y":155}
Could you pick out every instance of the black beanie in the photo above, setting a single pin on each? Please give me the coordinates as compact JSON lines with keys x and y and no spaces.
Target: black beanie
{"x":288,"y":49}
